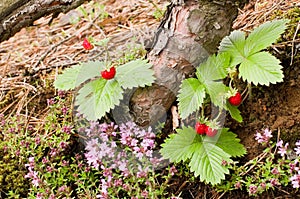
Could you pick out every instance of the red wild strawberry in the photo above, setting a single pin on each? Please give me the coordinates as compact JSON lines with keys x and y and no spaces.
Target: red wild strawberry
{"x":109,"y":74}
{"x":211,"y":132}
{"x":87,"y":45}
{"x":200,"y":128}
{"x":236,"y":99}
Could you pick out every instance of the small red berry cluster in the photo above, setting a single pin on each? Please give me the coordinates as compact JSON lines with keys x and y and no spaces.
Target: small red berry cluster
{"x":203,"y":129}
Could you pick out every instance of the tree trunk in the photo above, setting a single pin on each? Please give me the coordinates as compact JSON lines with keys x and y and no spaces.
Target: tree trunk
{"x":16,"y":14}
{"x":189,"y":33}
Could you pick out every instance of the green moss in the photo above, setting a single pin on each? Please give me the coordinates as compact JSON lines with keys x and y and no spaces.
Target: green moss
{"x":12,"y":176}
{"x":294,"y":15}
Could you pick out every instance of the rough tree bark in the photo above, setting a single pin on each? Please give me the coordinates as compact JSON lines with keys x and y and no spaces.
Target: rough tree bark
{"x":190,"y":31}
{"x":16,"y":14}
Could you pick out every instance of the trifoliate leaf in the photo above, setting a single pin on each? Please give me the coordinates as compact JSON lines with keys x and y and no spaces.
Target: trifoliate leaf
{"x":234,"y":112}
{"x":191,"y":96}
{"x":261,"y":68}
{"x":179,"y":146}
{"x":207,"y":162}
{"x":234,"y":44}
{"x":76,"y":75}
{"x":206,"y":154}
{"x":136,"y":73}
{"x":97,"y":97}
{"x":210,"y":74}
{"x":264,"y":35}
{"x":245,"y":52}
{"x":228,"y":142}
{"x":217,"y":91}
{"x":214,"y":68}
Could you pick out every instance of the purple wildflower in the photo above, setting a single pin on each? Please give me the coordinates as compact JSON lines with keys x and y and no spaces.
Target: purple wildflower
{"x":64,"y":110}
{"x":45,"y":160}
{"x":61,"y":94}
{"x":297,"y":149}
{"x":39,"y":196}
{"x":145,"y":194}
{"x":67,"y":129}
{"x":274,"y":182}
{"x":34,"y":176}
{"x":263,"y":137}
{"x":275,"y":171}
{"x":295,"y":179}
{"x":173,"y":170}
{"x":252,"y":189}
{"x":238,"y":185}
{"x":50,"y":101}
{"x":282,"y":149}
{"x":263,"y":185}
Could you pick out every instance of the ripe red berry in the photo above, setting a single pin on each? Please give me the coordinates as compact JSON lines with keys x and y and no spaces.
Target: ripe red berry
{"x":87,"y":45}
{"x":211,"y":132}
{"x":236,"y":99}
{"x":200,"y":128}
{"x":109,"y":74}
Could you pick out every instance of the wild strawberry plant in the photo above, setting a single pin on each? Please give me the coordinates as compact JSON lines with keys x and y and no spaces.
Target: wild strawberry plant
{"x":210,"y":148}
{"x":101,"y":85}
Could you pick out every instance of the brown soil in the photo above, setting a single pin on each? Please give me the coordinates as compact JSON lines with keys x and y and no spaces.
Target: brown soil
{"x":31,"y":59}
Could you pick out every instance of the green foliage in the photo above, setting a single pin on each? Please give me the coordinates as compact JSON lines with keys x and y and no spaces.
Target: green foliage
{"x":193,"y":91}
{"x":19,"y":141}
{"x":210,"y":73}
{"x":135,"y":73}
{"x":98,"y":96}
{"x":206,"y":154}
{"x":237,"y":54}
{"x":78,"y":74}
{"x":266,"y":171}
{"x":190,"y":97}
{"x":255,"y":67}
{"x":234,"y":112}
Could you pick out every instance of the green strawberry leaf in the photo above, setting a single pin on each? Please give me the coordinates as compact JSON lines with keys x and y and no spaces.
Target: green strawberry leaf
{"x":206,"y":154}
{"x":234,"y":45}
{"x":234,"y":112}
{"x":191,"y":96}
{"x":207,"y":162}
{"x":261,"y":68}
{"x":137,"y":73}
{"x":78,"y":74}
{"x":211,"y":73}
{"x":179,"y":146}
{"x":227,"y":141}
{"x":214,"y":68}
{"x":217,"y":91}
{"x":264,"y":35}
{"x":97,"y":97}
{"x":255,"y":67}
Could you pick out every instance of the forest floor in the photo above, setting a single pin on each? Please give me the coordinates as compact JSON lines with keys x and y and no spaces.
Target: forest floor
{"x":31,"y":59}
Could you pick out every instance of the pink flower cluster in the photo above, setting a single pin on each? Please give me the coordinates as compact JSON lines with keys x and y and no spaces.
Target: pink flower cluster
{"x":294,"y":168}
{"x":128,"y":152}
{"x":31,"y":173}
{"x":106,"y":145}
{"x":282,"y":149}
{"x":263,"y":137}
